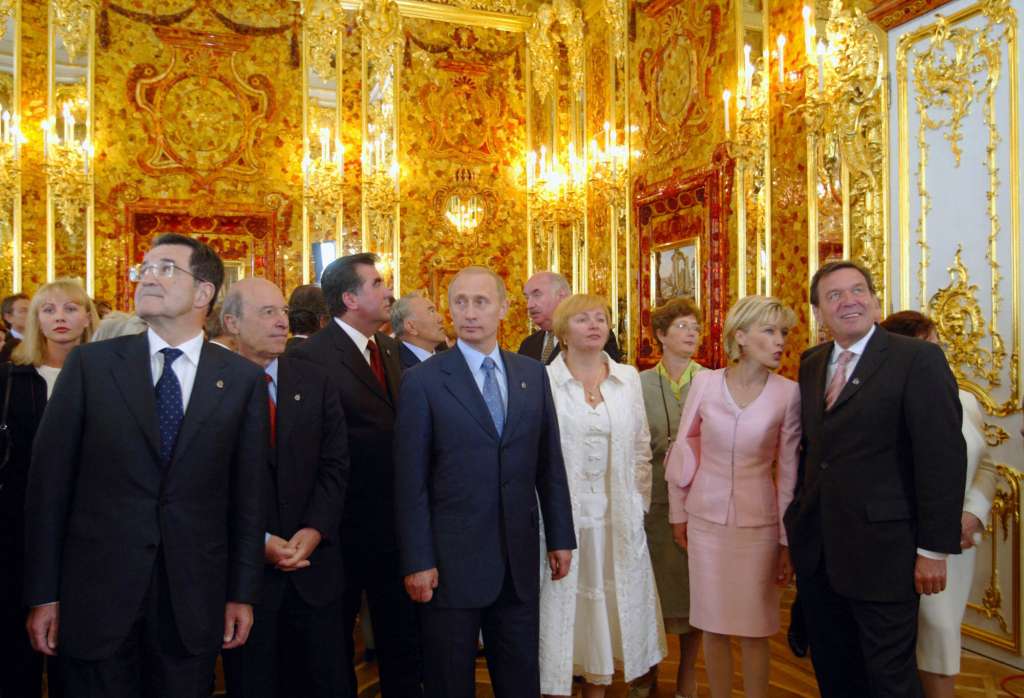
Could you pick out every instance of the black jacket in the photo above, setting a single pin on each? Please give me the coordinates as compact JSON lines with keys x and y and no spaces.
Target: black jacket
{"x":882,"y":473}
{"x":307,"y":479}
{"x":100,"y":504}
{"x":369,"y":516}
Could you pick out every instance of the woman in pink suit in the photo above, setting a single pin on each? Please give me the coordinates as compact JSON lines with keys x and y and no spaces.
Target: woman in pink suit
{"x":725,"y":507}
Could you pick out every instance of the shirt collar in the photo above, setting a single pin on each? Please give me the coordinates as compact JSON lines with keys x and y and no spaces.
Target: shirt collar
{"x":476,"y":358}
{"x":560,"y":374}
{"x":419,"y":352}
{"x":358,"y":337}
{"x":271,"y":370}
{"x":16,"y":334}
{"x":857,"y":348}
{"x":191,"y":348}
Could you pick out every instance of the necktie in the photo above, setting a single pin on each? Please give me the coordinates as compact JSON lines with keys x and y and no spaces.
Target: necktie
{"x":835,"y":386}
{"x":492,"y":396}
{"x":273,"y":411}
{"x":169,"y":408}
{"x":376,"y":365}
{"x":549,"y":346}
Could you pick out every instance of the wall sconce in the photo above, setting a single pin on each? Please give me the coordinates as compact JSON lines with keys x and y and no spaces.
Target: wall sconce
{"x":380,"y":174}
{"x":11,"y":141}
{"x":68,"y":164}
{"x":608,"y":168}
{"x":557,"y":193}
{"x":323,"y":178}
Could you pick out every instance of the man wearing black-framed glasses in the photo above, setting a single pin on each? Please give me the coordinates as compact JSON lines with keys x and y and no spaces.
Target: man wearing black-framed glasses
{"x":144,"y":503}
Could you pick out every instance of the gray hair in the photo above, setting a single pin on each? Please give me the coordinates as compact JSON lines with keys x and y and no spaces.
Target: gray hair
{"x":556,"y":280}
{"x":233,"y":305}
{"x":118,"y":324}
{"x":400,"y":311}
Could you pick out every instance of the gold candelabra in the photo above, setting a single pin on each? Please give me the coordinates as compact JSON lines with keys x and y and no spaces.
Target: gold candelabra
{"x":68,"y":167}
{"x":10,"y":149}
{"x":323,"y":180}
{"x":608,"y":168}
{"x":557,"y":194}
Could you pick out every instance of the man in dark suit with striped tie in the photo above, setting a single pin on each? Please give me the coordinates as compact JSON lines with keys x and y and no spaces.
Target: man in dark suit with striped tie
{"x":544,"y":291}
{"x":144,"y":510}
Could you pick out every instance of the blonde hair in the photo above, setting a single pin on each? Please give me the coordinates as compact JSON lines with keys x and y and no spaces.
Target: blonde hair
{"x":118,"y":324}
{"x":32,"y":349}
{"x":749,"y":311}
{"x":574,"y":305}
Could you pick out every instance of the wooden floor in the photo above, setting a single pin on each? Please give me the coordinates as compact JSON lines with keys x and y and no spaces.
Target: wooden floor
{"x":790,"y":677}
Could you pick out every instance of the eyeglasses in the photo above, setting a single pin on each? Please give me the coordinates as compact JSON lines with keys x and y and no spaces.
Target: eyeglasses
{"x":692,"y":326}
{"x":161,"y":270}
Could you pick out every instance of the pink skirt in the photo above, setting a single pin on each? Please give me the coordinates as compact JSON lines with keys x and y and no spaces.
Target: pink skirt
{"x":732,"y":577}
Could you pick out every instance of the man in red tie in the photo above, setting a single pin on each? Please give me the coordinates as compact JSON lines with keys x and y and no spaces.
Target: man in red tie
{"x":364,"y":364}
{"x":296,"y":638}
{"x":880,"y":490}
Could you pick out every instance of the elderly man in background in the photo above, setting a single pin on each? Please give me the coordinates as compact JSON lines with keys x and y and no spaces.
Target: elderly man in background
{"x":418,"y":327}
{"x":544,"y":291}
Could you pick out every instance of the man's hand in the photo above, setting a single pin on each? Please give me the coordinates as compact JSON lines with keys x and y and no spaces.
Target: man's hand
{"x":929,"y":575}
{"x":300,"y":547}
{"x":42,"y":625}
{"x":276,"y":549}
{"x":560,"y":561}
{"x":679,"y":534}
{"x":420,"y":585}
{"x":784,"y":567}
{"x":969,"y":526}
{"x":237,"y":624}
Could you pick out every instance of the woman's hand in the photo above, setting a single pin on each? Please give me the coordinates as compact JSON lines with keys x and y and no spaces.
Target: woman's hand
{"x":784,"y":567}
{"x":679,"y":534}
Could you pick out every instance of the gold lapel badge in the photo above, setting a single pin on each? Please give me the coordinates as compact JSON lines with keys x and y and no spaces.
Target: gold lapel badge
{"x":220,"y":384}
{"x":855,"y":381}
{"x":298,"y":396}
{"x":523,"y":385}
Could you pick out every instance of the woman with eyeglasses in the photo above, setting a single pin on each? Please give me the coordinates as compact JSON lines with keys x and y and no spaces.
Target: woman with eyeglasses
{"x":60,"y":317}
{"x":676,"y":329}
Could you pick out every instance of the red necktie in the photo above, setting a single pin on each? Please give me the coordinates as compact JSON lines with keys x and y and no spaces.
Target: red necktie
{"x":273,"y":411}
{"x":376,"y":365}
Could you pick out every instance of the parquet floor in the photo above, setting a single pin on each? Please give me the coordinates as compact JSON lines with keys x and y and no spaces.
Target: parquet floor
{"x":790,"y":677}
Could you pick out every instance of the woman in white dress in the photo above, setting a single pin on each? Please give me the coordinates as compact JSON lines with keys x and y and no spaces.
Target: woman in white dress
{"x":940,"y":615}
{"x":604,"y":615}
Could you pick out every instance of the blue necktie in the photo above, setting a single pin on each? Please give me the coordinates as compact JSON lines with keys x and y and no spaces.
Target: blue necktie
{"x":169,"y":409}
{"x":492,"y":396}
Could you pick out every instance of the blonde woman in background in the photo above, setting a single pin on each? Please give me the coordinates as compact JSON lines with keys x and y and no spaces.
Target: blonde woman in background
{"x":676,"y":326}
{"x":117,"y":324}
{"x":60,"y":317}
{"x":604,"y":615}
{"x":724,"y":506}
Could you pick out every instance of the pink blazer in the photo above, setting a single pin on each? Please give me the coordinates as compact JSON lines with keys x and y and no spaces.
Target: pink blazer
{"x":723,"y":454}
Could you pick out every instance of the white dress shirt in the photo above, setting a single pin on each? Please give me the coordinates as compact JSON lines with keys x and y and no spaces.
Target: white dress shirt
{"x":361,"y":340}
{"x":857,"y":349}
{"x":184,"y":367}
{"x":475,"y":359}
{"x":419,"y":352}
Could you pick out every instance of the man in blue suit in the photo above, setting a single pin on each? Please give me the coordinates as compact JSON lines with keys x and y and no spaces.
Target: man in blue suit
{"x":478,"y":448}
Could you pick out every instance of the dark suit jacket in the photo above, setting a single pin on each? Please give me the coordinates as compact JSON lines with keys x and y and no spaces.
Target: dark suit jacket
{"x":533,"y":346}
{"x":369,"y":410}
{"x":9,"y":344}
{"x":467,"y":499}
{"x":881,"y":473}
{"x":307,"y":478}
{"x":99,"y":504}
{"x":405,"y":356}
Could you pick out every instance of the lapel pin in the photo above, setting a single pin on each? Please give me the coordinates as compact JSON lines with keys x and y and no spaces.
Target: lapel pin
{"x":298,"y":396}
{"x":523,"y":385}
{"x":220,"y":384}
{"x":855,"y":381}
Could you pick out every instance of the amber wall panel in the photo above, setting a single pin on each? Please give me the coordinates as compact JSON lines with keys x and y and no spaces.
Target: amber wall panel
{"x":33,"y":111}
{"x":463,"y":131}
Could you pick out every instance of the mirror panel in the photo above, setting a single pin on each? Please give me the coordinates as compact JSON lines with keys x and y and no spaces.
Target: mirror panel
{"x":10,"y":145}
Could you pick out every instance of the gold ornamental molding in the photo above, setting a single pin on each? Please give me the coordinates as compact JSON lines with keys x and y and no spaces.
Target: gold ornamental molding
{"x":558,"y":22}
{"x":953,"y":68}
{"x":889,"y":14}
{"x":71,"y":18}
{"x":1005,"y":521}
{"x":415,"y":9}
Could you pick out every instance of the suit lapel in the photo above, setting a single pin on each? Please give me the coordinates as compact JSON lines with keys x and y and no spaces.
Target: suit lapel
{"x":517,"y":391}
{"x":357,"y":363}
{"x":134,"y":378}
{"x":869,"y":362}
{"x":207,"y":391}
{"x":290,"y":394}
{"x":460,"y":383}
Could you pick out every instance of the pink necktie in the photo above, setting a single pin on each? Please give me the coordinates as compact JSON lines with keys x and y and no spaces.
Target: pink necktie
{"x":835,"y":386}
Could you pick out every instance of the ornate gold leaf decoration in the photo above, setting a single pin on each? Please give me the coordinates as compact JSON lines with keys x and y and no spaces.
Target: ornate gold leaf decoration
{"x":507,"y":6}
{"x":558,"y":22}
{"x":6,"y":10}
{"x":323,"y":27}
{"x":381,"y":24}
{"x":994,"y":434}
{"x":202,"y":116}
{"x":72,"y":20}
{"x":462,"y":193}
{"x":615,"y":18}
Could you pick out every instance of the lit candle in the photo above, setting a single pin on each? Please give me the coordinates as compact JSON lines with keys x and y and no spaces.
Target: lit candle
{"x":809,"y":32}
{"x":46,"y":137}
{"x":339,"y":155}
{"x":543,"y":162}
{"x":726,"y":96}
{"x":86,"y":152}
{"x":325,"y":144}
{"x":69,"y":124}
{"x":748,"y":72}
{"x":781,"y":43}
{"x":821,"y":66}
{"x":305,"y":167}
{"x":5,"y":126}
